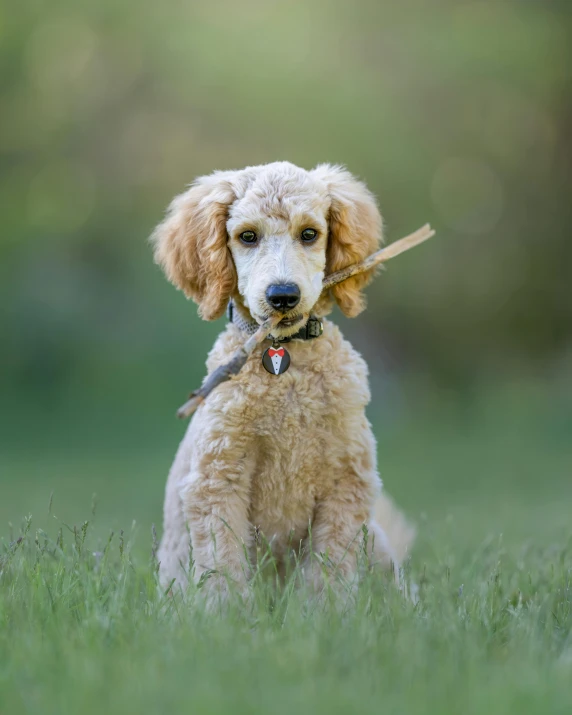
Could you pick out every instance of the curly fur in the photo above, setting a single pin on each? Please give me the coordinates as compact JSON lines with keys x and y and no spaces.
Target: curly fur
{"x":291,"y":458}
{"x":191,"y":247}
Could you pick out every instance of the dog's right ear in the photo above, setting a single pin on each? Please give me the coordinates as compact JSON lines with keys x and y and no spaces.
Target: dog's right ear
{"x":191,"y":243}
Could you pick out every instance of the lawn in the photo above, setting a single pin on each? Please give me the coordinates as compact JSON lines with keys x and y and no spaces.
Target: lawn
{"x":84,"y":629}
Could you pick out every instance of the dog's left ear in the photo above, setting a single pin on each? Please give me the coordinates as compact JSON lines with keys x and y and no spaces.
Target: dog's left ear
{"x":355,"y":231}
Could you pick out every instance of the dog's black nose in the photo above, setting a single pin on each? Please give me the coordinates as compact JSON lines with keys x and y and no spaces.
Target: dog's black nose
{"x":283,"y":296}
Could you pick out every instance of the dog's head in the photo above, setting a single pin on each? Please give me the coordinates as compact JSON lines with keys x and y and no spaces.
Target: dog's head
{"x":266,"y":236}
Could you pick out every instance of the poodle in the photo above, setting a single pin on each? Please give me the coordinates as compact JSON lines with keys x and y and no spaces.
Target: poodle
{"x":283,"y":455}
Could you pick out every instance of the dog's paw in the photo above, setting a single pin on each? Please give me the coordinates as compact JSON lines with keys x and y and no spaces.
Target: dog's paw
{"x":316,"y":577}
{"x":220,"y":592}
{"x":321,"y":576}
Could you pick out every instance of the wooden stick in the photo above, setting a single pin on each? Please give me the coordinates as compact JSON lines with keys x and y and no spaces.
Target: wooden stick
{"x":397,"y":247}
{"x":226,"y":371}
{"x":237,"y":361}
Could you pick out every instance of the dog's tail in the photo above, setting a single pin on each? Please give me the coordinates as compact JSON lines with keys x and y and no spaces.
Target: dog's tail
{"x":399,"y":531}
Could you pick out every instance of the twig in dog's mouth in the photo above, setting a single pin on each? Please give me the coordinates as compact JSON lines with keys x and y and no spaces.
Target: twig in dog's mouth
{"x":287,"y":322}
{"x":233,"y":367}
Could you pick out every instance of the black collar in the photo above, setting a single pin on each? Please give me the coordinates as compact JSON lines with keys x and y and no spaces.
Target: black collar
{"x":312,"y":329}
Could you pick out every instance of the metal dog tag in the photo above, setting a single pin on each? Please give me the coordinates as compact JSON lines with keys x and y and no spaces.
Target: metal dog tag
{"x":276,"y":359}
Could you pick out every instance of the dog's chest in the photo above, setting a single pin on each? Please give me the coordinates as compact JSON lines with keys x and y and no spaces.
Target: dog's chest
{"x":299,"y":430}
{"x":300,"y":425}
{"x":291,"y":469}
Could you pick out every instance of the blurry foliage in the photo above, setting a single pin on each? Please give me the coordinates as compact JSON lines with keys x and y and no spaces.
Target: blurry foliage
{"x":457,"y":113}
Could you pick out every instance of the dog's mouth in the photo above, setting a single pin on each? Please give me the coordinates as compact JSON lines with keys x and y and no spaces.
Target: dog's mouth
{"x":286,"y":323}
{"x":290,"y":320}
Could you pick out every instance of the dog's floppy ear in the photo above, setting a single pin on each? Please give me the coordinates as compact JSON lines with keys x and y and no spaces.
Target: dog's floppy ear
{"x":191,"y":243}
{"x":355,"y":231}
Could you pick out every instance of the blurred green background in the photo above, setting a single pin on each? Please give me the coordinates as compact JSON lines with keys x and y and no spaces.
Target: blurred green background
{"x":455,"y":113}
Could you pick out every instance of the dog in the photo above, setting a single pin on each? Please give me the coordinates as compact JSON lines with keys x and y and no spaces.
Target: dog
{"x":283,"y":455}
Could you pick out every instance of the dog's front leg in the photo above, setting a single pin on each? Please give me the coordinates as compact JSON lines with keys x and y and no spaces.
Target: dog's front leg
{"x":337,"y":530}
{"x":216,"y":500}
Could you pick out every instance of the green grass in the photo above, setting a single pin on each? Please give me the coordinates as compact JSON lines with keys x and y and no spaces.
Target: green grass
{"x":84,"y":628}
{"x":88,"y":632}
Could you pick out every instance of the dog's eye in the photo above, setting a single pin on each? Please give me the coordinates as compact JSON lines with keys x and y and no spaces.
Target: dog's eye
{"x":309,"y":234}
{"x":248,"y":237}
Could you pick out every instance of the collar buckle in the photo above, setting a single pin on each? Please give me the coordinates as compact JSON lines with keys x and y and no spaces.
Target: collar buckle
{"x":314,"y":328}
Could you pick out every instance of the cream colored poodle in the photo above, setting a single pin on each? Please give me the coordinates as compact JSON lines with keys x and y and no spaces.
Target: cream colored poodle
{"x":285,"y":456}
